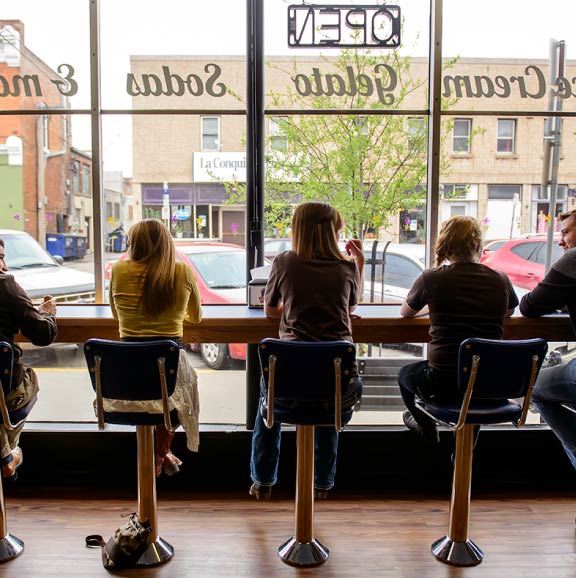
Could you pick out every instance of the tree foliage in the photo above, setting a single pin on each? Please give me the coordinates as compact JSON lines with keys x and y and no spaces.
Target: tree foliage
{"x":368,"y":165}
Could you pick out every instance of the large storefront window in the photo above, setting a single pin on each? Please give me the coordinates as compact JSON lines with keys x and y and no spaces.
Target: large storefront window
{"x":162,"y":133}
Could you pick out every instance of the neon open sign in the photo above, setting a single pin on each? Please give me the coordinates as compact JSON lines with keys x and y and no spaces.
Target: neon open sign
{"x":344,"y":26}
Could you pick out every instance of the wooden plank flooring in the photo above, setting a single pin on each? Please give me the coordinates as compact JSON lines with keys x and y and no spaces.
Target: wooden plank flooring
{"x":232,"y":536}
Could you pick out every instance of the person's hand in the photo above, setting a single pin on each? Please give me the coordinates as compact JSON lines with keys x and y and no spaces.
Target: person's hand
{"x":355,"y":316}
{"x":49,"y":306}
{"x":353,"y":248}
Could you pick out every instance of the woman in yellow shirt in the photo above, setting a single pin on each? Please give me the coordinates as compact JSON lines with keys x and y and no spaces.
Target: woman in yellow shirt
{"x":151,"y":295}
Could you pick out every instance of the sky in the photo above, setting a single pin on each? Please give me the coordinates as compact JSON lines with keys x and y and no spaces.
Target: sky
{"x":57,"y":31}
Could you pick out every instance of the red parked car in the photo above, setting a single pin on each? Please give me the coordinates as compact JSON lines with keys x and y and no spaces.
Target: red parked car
{"x":220,"y":271}
{"x":521,"y":259}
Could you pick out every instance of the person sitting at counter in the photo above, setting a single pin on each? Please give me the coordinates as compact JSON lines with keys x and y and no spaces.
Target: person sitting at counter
{"x":151,"y":295}
{"x":313,"y":290}
{"x":463,"y":299}
{"x":556,"y":385}
{"x":17,"y":314}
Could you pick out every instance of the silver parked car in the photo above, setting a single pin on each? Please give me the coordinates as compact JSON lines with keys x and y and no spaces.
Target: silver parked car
{"x":39,"y":273}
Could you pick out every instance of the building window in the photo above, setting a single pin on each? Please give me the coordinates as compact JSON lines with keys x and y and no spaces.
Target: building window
{"x":86,"y":179}
{"x":503,"y":192}
{"x":278,"y":140}
{"x":461,"y":135}
{"x":417,"y":134}
{"x":109,"y":212}
{"x":506,"y":135}
{"x":453,"y":192}
{"x":210,"y":133}
{"x":76,"y":177}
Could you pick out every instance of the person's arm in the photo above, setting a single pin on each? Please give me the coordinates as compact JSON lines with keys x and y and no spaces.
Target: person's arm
{"x":354,"y":249}
{"x":512,"y":297}
{"x":549,"y":296}
{"x":39,"y":326}
{"x":111,"y":295}
{"x":407,"y":311}
{"x":273,"y":305}
{"x":415,"y":304}
{"x":194,"y":307}
{"x":273,"y":312}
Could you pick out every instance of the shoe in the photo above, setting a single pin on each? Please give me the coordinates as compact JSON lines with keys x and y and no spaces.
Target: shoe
{"x":11,"y":463}
{"x":171,"y":464}
{"x":320,"y":494}
{"x":428,"y":432}
{"x":261,"y":492}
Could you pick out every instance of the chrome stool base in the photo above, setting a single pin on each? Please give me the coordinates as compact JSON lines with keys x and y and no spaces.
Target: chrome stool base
{"x":10,"y":547}
{"x":303,"y":554}
{"x":457,"y":553}
{"x":156,"y":553}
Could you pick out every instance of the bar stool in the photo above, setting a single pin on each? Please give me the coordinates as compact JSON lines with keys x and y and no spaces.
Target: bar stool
{"x":138,"y":371}
{"x":10,"y":546}
{"x":307,"y":384}
{"x":492,"y":375}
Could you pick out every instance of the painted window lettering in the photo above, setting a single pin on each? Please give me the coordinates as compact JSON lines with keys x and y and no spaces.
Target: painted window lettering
{"x":172,"y":84}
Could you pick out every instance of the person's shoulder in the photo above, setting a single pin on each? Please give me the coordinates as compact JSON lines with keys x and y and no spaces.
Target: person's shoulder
{"x":9,"y":283}
{"x":567,"y":264}
{"x":183,"y":269}
{"x":121,"y":265}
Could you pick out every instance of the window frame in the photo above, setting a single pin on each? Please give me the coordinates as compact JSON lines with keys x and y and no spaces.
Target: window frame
{"x":205,"y":134}
{"x":506,"y":139}
{"x":468,"y":138}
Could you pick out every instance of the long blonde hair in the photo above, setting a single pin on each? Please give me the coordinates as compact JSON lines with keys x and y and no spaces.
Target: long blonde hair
{"x":459,"y":240}
{"x":151,"y":244}
{"x":315,"y":227}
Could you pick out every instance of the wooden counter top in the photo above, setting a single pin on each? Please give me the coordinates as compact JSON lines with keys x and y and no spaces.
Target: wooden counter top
{"x":239,"y":324}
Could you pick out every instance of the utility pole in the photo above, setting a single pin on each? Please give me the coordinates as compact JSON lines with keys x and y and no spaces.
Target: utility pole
{"x":552,"y":141}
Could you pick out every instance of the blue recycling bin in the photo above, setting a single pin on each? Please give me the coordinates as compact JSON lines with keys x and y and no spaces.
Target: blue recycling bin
{"x":69,"y":246}
{"x":116,"y":241}
{"x":80,"y":247}
{"x":55,"y":244}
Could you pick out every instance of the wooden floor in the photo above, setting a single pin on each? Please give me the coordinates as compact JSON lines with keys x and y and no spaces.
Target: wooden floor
{"x":528,"y":536}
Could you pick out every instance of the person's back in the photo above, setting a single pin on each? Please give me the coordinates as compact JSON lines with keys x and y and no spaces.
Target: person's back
{"x":464,"y":300}
{"x":316,"y":295}
{"x":126,"y":284}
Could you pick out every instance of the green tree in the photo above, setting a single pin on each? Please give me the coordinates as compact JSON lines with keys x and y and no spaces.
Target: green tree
{"x":369,"y":166}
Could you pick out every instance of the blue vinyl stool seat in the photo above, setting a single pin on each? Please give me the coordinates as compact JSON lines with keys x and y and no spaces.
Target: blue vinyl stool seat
{"x":492,"y":376}
{"x":139,"y":371}
{"x":10,"y":546}
{"x":307,"y":384}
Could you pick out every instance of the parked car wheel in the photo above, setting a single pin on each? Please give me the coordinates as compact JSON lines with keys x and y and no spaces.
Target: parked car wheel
{"x":215,"y":355}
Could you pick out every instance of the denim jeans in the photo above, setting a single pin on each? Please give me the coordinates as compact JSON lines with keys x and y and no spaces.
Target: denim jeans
{"x":265,"y":454}
{"x":554,"y":386}
{"x":418,"y":379}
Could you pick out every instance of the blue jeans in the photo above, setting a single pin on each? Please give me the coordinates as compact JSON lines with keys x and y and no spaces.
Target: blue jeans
{"x":265,"y":454}
{"x":554,"y":386}
{"x":418,"y":379}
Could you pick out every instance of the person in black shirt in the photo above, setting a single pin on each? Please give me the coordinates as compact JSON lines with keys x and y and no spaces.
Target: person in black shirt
{"x":556,"y":385}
